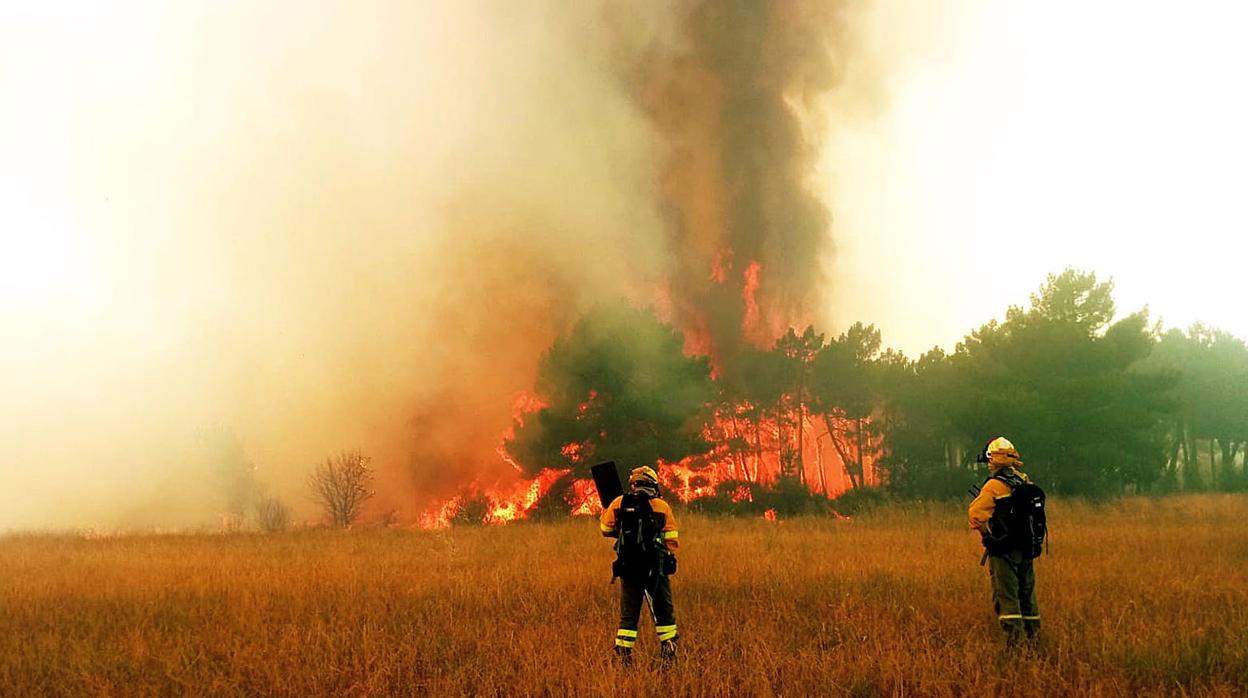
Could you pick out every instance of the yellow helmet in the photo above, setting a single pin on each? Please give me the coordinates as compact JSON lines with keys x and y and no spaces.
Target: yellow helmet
{"x":1000,"y":452}
{"x":1000,"y":445}
{"x":644,"y":476}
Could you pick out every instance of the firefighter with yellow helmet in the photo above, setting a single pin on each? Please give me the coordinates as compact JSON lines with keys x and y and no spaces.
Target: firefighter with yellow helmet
{"x":646,"y":541}
{"x":1008,"y":512}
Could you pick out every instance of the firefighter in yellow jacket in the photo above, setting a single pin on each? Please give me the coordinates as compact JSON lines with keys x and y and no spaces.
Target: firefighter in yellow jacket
{"x":646,"y":540}
{"x":1009,"y":565}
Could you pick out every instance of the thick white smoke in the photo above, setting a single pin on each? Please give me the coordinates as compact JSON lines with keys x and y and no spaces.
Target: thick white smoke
{"x":301,"y":224}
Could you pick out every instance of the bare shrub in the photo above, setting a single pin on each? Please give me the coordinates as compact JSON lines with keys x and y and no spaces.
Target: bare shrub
{"x":272,"y":516}
{"x":340,"y":486}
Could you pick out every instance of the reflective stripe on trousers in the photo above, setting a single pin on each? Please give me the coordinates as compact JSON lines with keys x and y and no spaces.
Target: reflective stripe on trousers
{"x":633,"y":593}
{"x":625,"y":637}
{"x":1014,"y":591}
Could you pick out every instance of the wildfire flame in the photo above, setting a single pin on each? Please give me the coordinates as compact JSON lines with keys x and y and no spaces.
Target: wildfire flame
{"x":749,"y":295}
{"x":504,"y":505}
{"x":747,"y":449}
{"x":749,"y":445}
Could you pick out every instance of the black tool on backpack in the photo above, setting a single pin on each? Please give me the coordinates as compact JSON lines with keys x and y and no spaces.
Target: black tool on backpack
{"x":1018,"y":521}
{"x":608,"y":482}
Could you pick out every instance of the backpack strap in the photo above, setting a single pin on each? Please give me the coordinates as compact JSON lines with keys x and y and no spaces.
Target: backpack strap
{"x":648,"y":513}
{"x":642,"y":502}
{"x":1011,"y":479}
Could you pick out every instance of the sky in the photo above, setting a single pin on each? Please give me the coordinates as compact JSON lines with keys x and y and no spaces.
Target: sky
{"x":264,"y":217}
{"x":1021,"y":138}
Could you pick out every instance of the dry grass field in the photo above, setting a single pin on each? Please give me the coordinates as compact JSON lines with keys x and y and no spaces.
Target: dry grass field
{"x":1139,"y":596}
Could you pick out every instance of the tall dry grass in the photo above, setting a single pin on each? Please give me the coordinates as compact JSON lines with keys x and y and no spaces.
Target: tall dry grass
{"x":1139,"y":597}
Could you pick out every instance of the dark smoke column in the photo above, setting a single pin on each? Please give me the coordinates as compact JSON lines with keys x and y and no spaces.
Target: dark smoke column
{"x":748,"y":234}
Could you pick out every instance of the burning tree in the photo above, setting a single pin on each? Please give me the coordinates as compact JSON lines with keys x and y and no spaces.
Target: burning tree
{"x":734,"y":106}
{"x":618,"y":387}
{"x":762,"y":406}
{"x":340,"y":485}
{"x":796,"y":355}
{"x":845,"y":395}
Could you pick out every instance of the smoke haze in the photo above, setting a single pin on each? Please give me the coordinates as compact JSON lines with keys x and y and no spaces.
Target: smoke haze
{"x":298,"y":226}
{"x":313,"y":228}
{"x":1100,"y":135}
{"x":308,"y":227}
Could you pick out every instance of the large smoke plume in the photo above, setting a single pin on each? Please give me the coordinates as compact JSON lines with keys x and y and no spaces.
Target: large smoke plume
{"x":736,"y":108}
{"x":330,"y":227}
{"x":732,"y":92}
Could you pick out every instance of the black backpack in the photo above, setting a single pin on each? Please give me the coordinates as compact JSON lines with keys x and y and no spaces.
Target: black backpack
{"x":1018,"y":521}
{"x":639,"y":549}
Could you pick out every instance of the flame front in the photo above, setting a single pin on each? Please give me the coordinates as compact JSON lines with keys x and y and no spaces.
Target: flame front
{"x":748,"y":449}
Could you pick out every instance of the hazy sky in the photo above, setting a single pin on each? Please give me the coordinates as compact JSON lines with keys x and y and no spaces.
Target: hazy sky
{"x":302,"y":223}
{"x":264,"y":216}
{"x":1020,"y":138}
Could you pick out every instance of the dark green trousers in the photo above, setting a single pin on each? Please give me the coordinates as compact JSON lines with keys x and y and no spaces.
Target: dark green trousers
{"x":633,"y":591}
{"x":1014,"y":593}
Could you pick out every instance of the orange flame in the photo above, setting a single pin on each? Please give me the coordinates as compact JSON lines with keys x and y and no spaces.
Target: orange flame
{"x":749,"y":446}
{"x":750,"y":324}
{"x":585,"y":499}
{"x":573,"y":451}
{"x":502,"y":504}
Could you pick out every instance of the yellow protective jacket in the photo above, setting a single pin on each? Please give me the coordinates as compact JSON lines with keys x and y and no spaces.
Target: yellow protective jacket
{"x":981,"y":509}
{"x":609,"y":525}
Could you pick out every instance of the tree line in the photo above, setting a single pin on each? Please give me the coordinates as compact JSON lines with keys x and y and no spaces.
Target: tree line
{"x":1097,"y":406}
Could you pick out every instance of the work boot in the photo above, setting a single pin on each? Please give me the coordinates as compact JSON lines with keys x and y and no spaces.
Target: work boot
{"x":1032,"y":627}
{"x":624,"y":655}
{"x":667,"y":653}
{"x":1013,"y":636}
